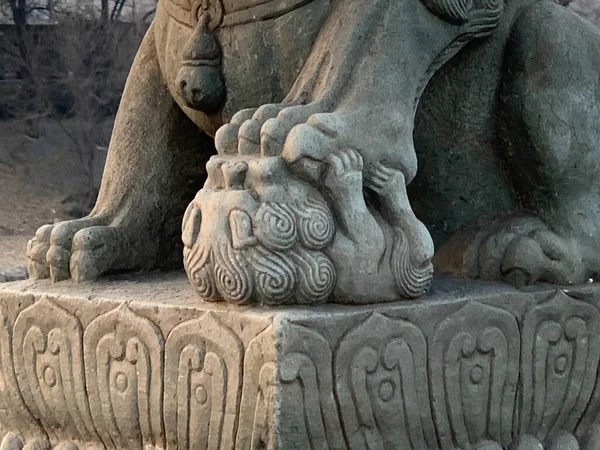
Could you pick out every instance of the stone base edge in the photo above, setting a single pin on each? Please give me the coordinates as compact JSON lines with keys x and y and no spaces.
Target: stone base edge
{"x":484,"y":369}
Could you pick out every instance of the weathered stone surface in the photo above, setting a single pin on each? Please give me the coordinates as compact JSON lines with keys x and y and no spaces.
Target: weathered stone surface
{"x":139,"y":362}
{"x":506,"y":135}
{"x":313,"y":105}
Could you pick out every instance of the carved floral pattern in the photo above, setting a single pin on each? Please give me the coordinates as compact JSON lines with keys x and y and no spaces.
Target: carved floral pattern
{"x":204,"y":361}
{"x":561,"y":349}
{"x":47,"y":344}
{"x":474,"y":361}
{"x":384,"y":383}
{"x":306,"y":375}
{"x":123,"y":362}
{"x":257,"y":403}
{"x":379,"y":385}
{"x":13,"y":411}
{"x":565,"y":441}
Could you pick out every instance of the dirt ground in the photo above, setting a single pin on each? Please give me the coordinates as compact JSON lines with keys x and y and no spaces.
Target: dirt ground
{"x":590,"y":9}
{"x":41,"y":181}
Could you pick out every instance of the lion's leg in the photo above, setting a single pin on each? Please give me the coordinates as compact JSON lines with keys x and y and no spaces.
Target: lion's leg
{"x":390,"y":185}
{"x":368,"y":66}
{"x":344,"y":182}
{"x":319,"y":87}
{"x":359,"y":90}
{"x":153,"y":170}
{"x":552,"y":140}
{"x":550,"y":128}
{"x":550,"y":145}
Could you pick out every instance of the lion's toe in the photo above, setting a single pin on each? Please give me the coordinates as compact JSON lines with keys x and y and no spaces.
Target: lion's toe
{"x":95,"y":251}
{"x":37,"y":248}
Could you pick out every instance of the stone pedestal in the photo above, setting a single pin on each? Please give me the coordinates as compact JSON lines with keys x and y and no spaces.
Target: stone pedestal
{"x":140,"y":362}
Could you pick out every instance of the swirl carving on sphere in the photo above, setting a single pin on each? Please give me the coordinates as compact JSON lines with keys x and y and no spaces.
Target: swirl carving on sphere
{"x":198,"y":263}
{"x":271,"y":252}
{"x":205,"y":284}
{"x":316,"y":275}
{"x":232,"y":275}
{"x":316,"y":224}
{"x":275,"y":277}
{"x":274,"y":226}
{"x":49,"y":361}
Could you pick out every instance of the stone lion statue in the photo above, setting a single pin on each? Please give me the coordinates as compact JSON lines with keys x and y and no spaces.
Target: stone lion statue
{"x":320,"y":110}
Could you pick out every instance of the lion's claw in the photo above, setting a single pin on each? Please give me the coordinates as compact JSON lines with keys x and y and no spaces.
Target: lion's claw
{"x":58,"y":262}
{"x":542,"y":256}
{"x":345,"y":162}
{"x":226,"y":139}
{"x":384,"y":180}
{"x":272,"y":137}
{"x":262,"y":130}
{"x":520,"y":250}
{"x":81,"y":249}
{"x":95,"y":250}
{"x":37,"y":248}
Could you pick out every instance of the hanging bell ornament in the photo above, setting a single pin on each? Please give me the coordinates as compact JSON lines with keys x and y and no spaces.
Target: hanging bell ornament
{"x":199,"y":80}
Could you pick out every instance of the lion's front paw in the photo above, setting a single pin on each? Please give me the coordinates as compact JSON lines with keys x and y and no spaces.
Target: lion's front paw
{"x":81,"y":249}
{"x":384,"y":180}
{"x":303,"y":135}
{"x":262,"y":130}
{"x":49,"y":252}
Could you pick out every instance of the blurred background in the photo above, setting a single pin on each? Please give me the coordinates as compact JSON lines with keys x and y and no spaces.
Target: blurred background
{"x":63,"y":65}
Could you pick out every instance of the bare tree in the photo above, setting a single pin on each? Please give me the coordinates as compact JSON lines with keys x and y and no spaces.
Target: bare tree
{"x":72,"y":70}
{"x":590,"y":9}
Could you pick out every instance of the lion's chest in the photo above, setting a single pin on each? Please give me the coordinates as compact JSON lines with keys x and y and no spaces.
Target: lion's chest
{"x":264,"y":44}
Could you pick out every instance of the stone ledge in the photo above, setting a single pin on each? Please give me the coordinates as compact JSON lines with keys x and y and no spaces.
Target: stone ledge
{"x":138,"y":362}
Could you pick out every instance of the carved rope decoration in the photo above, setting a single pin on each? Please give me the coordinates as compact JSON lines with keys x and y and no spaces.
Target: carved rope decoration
{"x":188,"y":14}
